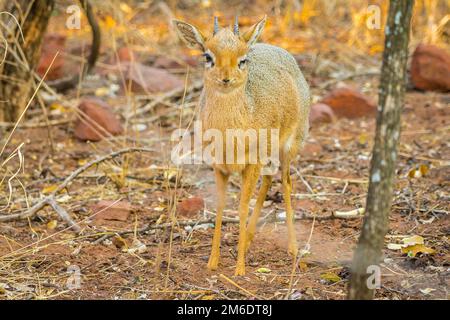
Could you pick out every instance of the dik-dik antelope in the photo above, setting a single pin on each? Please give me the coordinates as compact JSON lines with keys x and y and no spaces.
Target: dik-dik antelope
{"x":249,"y":85}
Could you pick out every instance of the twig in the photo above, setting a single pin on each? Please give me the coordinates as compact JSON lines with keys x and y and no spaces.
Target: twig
{"x":63,"y":214}
{"x":164,"y":225}
{"x":302,"y":216}
{"x":350,"y":76}
{"x":352,"y":213}
{"x":218,"y":292}
{"x":35,"y":125}
{"x":49,"y":199}
{"x":239,"y":287}
{"x":357,"y":181}
{"x":161,"y":98}
{"x":27,"y":105}
{"x":307,"y":216}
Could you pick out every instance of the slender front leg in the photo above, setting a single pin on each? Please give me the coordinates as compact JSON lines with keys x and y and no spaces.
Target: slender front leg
{"x":287,"y":188}
{"x":250,"y":177}
{"x":251,"y":228}
{"x":221,"y":185}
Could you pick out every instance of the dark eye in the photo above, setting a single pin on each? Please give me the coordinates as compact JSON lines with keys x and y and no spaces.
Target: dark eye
{"x":208,"y":59}
{"x":242,"y":63}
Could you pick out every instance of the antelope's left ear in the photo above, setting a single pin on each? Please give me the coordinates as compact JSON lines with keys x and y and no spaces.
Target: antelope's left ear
{"x":190,"y":34}
{"x":252,"y":35}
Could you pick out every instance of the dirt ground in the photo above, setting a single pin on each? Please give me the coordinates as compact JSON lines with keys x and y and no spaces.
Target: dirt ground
{"x":40,"y":257}
{"x":334,"y":166}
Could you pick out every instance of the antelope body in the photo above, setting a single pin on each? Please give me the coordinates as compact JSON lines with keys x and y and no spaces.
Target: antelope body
{"x":250,"y":86}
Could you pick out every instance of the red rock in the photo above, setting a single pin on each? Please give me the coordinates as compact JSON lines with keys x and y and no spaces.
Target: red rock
{"x":430,"y":68}
{"x":347,"y":102}
{"x":148,"y":79}
{"x":52,"y":44}
{"x":125,"y":54}
{"x":321,"y":112}
{"x":169,"y":63}
{"x":99,"y":113}
{"x":191,"y":206}
{"x":111,"y":210}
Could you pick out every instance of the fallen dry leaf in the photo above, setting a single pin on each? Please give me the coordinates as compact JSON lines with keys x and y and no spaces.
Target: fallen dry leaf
{"x":119,"y":242}
{"x":418,"y":172}
{"x":264,"y":270}
{"x":413,"y":240}
{"x":330,"y":276}
{"x":49,"y":189}
{"x":52,"y":224}
{"x":413,"y":250}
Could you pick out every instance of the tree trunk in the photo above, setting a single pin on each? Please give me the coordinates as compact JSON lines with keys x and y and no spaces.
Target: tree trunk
{"x":391,"y":97}
{"x":22,"y":54}
{"x":72,"y":80}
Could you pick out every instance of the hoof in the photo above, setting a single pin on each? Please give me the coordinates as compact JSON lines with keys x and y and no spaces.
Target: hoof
{"x":293,"y":250}
{"x":213,"y":263}
{"x":240,"y":271}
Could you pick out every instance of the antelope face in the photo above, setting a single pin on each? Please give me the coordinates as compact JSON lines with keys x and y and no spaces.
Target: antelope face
{"x":224,"y":53}
{"x":225,"y":59}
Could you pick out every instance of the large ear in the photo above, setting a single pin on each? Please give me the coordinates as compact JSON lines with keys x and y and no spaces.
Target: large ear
{"x":252,"y":35}
{"x":190,"y":34}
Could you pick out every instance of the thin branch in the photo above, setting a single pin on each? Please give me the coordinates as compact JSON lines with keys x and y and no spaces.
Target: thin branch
{"x":63,"y":214}
{"x":49,"y":199}
{"x":183,"y":223}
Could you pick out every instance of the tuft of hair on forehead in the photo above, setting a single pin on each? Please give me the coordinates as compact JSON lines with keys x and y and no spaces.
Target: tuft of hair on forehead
{"x":225,"y":39}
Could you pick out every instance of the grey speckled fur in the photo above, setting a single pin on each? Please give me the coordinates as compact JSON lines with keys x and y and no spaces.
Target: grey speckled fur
{"x":267,"y":65}
{"x":268,"y":68}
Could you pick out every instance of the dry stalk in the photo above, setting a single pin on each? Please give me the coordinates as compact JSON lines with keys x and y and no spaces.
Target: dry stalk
{"x":51,"y":199}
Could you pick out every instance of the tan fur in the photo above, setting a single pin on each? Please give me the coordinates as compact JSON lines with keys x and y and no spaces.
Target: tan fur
{"x":269,"y":92}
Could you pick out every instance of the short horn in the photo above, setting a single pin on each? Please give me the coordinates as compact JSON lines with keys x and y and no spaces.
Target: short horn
{"x":236,"y":26}
{"x":216,"y":25}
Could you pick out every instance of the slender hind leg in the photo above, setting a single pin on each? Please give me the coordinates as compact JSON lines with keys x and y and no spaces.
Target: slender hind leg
{"x":250,"y":177}
{"x":221,"y":184}
{"x":287,"y":188}
{"x":265,"y":186}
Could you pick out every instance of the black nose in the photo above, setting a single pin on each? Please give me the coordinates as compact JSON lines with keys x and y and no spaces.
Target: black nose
{"x":226,"y":80}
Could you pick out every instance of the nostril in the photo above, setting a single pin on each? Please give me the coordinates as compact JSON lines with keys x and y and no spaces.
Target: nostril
{"x":226,"y":80}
